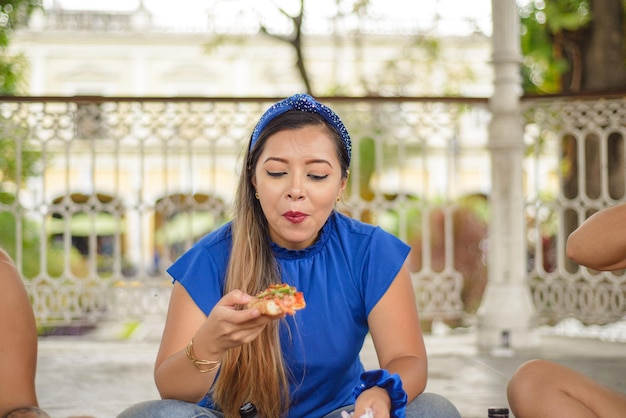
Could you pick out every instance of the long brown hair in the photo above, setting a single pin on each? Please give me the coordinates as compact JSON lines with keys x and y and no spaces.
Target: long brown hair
{"x":255,"y":372}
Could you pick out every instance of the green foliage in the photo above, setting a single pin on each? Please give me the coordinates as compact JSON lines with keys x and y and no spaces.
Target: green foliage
{"x":15,"y":148}
{"x":544,"y":23}
{"x":423,"y":53}
{"x":12,"y":70}
{"x":367,"y":166}
{"x":13,"y":14}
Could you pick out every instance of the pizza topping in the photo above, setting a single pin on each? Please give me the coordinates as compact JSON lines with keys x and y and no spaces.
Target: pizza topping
{"x":276,"y":290}
{"x":278,"y":299}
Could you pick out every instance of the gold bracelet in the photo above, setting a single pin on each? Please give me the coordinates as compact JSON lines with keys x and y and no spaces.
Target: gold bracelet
{"x":199,"y":363}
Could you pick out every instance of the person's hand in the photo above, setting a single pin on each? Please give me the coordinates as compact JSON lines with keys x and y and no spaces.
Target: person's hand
{"x":368,"y":414}
{"x":229,"y":326}
{"x":375,"y":399}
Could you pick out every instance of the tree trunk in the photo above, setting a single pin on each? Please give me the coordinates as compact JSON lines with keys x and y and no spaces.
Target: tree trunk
{"x":604,"y":66}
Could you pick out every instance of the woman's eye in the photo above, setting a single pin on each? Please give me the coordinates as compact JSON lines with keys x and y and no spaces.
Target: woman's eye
{"x":318,"y":177}
{"x":275,"y":173}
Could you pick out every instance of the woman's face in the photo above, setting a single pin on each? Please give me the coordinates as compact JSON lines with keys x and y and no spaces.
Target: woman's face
{"x":298,"y":179}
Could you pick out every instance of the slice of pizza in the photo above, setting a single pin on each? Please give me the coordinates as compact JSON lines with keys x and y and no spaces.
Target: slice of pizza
{"x":278,"y":299}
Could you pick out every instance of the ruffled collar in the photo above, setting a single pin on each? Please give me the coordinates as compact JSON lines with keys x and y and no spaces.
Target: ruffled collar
{"x":285,"y":253}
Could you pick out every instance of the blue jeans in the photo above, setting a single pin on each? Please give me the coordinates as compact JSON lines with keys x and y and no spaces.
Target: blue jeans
{"x":426,"y":405}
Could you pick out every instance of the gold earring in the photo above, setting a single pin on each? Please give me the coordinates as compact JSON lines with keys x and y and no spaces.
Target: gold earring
{"x":338,"y":199}
{"x":256,"y":194}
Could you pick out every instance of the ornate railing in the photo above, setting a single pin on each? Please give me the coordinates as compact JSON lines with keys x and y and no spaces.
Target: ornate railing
{"x":99,"y":195}
{"x":576,"y":166}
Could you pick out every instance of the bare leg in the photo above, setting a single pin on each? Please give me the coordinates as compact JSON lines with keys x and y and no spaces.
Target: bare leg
{"x":18,"y":346}
{"x":541,"y":388}
{"x":28,"y":412}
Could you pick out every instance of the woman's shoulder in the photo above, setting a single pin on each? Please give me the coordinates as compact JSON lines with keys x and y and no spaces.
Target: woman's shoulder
{"x":361,"y":236}
{"x":214,"y":245}
{"x":210,"y":252}
{"x":217,"y":237}
{"x":356,"y":227}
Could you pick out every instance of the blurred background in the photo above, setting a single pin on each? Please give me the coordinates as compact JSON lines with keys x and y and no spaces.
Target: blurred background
{"x":122,"y":124}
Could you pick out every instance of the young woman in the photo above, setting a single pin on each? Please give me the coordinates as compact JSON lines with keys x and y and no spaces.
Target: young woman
{"x":18,"y":346}
{"x":215,"y":356}
{"x":541,"y":388}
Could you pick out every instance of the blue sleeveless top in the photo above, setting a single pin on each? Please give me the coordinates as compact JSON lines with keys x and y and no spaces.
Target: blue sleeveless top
{"x":342,"y":275}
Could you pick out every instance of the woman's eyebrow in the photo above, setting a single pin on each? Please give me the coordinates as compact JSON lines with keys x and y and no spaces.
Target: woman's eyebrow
{"x":307,"y":162}
{"x":318,"y":161}
{"x":280,"y":160}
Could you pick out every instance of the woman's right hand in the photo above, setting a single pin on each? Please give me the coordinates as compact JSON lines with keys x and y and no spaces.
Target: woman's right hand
{"x":229,"y":326}
{"x":226,"y":326}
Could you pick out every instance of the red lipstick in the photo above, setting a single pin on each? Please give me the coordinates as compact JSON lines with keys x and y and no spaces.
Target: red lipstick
{"x":295,"y":217}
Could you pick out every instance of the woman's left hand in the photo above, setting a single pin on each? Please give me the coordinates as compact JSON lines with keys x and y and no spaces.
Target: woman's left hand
{"x":375,"y":398}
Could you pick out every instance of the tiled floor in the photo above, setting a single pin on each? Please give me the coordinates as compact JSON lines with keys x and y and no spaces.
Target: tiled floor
{"x":91,"y":376}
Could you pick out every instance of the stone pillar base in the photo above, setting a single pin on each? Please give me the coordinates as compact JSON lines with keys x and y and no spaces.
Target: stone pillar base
{"x":506,"y":318}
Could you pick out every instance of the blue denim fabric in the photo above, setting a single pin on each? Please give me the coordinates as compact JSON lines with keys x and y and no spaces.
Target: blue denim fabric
{"x":168,"y":409}
{"x":427,"y":405}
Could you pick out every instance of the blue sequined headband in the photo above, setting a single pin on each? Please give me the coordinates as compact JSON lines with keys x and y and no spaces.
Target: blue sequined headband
{"x":304,"y":103}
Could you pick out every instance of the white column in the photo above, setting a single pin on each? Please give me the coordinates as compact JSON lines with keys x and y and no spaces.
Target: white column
{"x":37,"y":83}
{"x":139,"y":70}
{"x":506,"y":316}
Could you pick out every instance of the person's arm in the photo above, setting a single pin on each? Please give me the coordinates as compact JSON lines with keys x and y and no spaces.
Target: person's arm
{"x":18,"y":345}
{"x":176,"y":376}
{"x":400,"y":348}
{"x":600,"y":241}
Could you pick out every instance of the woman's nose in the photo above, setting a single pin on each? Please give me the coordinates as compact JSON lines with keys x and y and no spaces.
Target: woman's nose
{"x":295,"y":191}
{"x":295,"y":194}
